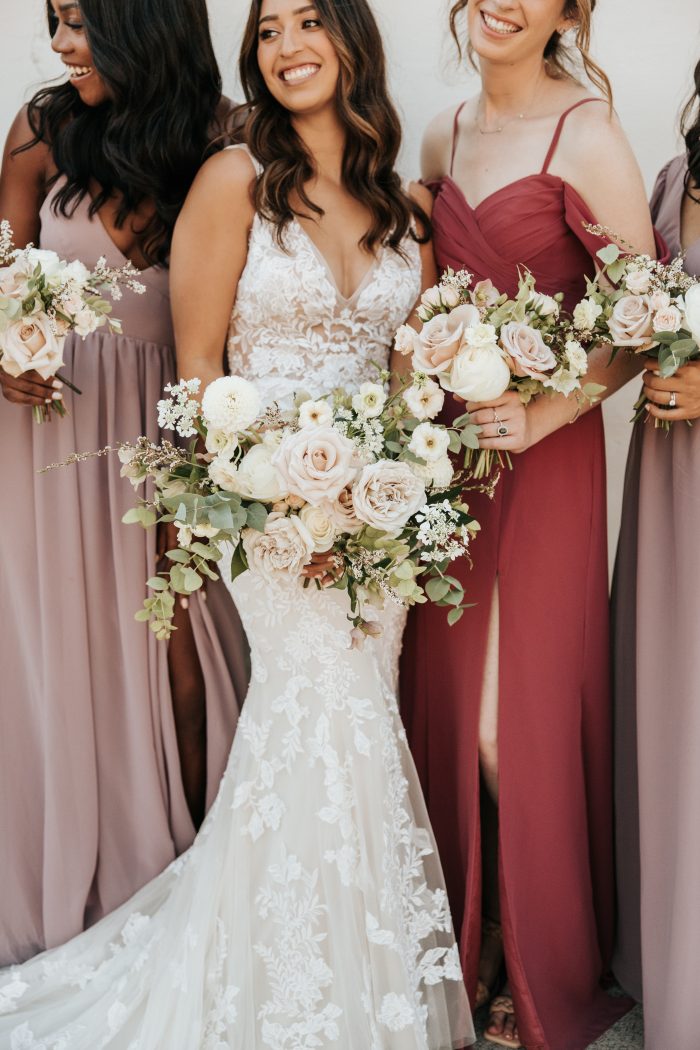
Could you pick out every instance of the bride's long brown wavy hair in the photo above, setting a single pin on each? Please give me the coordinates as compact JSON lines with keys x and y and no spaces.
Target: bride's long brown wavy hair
{"x":372,"y":127}
{"x":561,"y":60}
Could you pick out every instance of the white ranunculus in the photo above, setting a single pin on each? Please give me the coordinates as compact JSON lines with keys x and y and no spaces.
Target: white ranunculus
{"x":257,"y":477}
{"x":405,"y":340}
{"x":231,"y":404}
{"x":220,"y":443}
{"x":387,"y":494}
{"x":50,"y":262}
{"x":315,"y":414}
{"x":586,"y":313}
{"x":316,"y":463}
{"x":577,"y":357}
{"x":285,"y":546}
{"x":321,"y":527}
{"x":424,"y":401}
{"x":86,"y":321}
{"x":429,"y":442}
{"x":668,"y":320}
{"x":692,"y":312}
{"x":638,"y":281}
{"x":370,"y":400}
{"x":31,"y":343}
{"x":479,"y":373}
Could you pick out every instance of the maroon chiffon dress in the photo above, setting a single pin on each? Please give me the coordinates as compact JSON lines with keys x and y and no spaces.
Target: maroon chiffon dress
{"x":544,"y":537}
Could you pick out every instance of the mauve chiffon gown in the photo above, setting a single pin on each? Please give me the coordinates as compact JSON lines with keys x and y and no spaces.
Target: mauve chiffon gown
{"x":657,"y":705}
{"x":92,"y":804}
{"x":544,"y":538}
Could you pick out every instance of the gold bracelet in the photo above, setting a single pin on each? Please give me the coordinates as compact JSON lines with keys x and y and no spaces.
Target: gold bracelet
{"x":579,"y":407}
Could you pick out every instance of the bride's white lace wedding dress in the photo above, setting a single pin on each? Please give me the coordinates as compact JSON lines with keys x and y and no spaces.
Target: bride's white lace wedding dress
{"x":310,"y":911}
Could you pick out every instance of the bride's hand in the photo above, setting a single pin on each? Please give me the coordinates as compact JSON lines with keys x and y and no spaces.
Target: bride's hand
{"x":326,"y":568}
{"x":506,"y":412}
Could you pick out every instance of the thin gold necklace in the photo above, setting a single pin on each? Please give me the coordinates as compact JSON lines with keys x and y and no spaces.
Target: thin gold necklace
{"x":511,"y":120}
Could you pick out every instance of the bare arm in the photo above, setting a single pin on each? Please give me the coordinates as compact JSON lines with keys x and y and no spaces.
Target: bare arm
{"x":400,"y":364}
{"x":210,"y":246}
{"x":22,"y":191}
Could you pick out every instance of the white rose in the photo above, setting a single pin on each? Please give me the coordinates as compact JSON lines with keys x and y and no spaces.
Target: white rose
{"x":429,"y":442}
{"x":285,"y":546}
{"x":231,"y":404}
{"x":659,"y":300}
{"x":315,"y":414}
{"x":544,"y":305}
{"x":637,"y":281}
{"x":50,"y":262}
{"x":668,"y":320}
{"x":586,"y":313}
{"x":431,"y":298}
{"x":387,"y":494}
{"x":528,"y":350}
{"x":630,"y":324}
{"x":86,"y":321}
{"x":13,"y":281}
{"x":450,"y":296}
{"x":441,"y":338}
{"x":342,"y":514}
{"x":224,"y":474}
{"x":31,"y":343}
{"x":577,"y":357}
{"x":77,"y":272}
{"x":321,"y":528}
{"x":219,"y":443}
{"x":316,"y":463}
{"x":692,"y":312}
{"x":479,"y":374}
{"x":257,"y":477}
{"x":370,"y":400}
{"x":405,"y":340}
{"x":424,"y":401}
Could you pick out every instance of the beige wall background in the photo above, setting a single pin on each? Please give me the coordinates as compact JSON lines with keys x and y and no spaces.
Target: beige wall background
{"x":648,"y":48}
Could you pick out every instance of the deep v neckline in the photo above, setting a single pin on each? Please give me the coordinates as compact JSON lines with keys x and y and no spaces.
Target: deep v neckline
{"x":88,"y":201}
{"x":328,"y":270}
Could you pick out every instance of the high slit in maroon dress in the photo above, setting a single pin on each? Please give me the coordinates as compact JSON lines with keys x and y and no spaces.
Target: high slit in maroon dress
{"x":544,"y":536}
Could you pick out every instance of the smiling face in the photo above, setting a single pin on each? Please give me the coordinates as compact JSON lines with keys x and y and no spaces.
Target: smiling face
{"x":296,"y":57}
{"x":70,"y":42}
{"x":511,"y":30}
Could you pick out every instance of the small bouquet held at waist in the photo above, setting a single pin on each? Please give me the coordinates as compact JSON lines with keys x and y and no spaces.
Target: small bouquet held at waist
{"x":365,"y":479}
{"x":478,"y":343}
{"x":653,"y":309}
{"x":42,"y":298}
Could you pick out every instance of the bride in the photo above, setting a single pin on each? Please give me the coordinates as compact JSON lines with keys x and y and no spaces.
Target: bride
{"x":310,"y":911}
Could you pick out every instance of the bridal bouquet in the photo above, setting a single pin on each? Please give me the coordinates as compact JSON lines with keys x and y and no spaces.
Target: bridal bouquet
{"x":653,"y":309}
{"x":365,"y":478}
{"x":479,"y":343}
{"x":42,"y":298}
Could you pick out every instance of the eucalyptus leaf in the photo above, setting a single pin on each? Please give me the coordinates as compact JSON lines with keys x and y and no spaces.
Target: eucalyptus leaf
{"x":256,"y":516}
{"x":437,"y":588}
{"x":454,"y":615}
{"x":178,"y":555}
{"x":140,"y":516}
{"x":609,"y":254}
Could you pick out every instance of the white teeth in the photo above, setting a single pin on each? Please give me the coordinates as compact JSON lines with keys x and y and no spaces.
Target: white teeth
{"x":80,"y":71}
{"x":495,"y":24}
{"x":293,"y":76}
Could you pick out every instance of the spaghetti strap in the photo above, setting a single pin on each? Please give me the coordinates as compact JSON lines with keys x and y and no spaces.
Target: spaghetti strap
{"x":558,"y":130}
{"x":455,"y":136}
{"x":242,"y":146}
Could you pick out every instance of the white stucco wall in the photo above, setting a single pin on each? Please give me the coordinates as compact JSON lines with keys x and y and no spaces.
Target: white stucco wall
{"x":648,"y":49}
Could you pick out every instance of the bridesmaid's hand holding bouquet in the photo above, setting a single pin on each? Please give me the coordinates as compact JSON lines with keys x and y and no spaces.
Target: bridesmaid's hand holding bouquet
{"x":42,"y":298}
{"x":653,"y":309}
{"x":479,"y":344}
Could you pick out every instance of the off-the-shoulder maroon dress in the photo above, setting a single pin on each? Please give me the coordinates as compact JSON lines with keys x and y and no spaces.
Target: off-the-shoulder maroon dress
{"x":544,"y":536}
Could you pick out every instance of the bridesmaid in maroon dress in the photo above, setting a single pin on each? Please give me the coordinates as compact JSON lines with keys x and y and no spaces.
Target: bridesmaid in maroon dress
{"x":509,"y":711}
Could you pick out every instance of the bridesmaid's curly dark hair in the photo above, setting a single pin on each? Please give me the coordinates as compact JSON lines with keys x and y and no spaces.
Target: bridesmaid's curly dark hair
{"x":690,"y":127}
{"x":559,"y":58}
{"x":372,"y":126}
{"x":148,"y":142}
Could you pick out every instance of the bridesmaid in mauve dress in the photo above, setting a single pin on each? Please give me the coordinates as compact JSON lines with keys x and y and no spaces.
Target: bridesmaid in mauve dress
{"x":657,"y":671}
{"x":92,"y":798}
{"x":508,"y":712}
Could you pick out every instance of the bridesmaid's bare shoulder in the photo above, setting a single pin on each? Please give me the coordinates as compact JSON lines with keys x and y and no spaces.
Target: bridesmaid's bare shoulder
{"x":437,"y":144}
{"x":23,"y":179}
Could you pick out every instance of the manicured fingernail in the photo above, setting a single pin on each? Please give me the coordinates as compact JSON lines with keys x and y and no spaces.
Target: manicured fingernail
{"x":47,"y":401}
{"x":57,"y":384}
{"x":57,"y":396}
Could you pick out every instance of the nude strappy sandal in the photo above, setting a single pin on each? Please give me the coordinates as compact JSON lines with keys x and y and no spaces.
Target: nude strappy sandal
{"x":502,"y":1004}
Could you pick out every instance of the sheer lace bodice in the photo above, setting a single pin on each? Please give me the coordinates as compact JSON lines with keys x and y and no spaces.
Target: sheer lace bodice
{"x":291,"y":329}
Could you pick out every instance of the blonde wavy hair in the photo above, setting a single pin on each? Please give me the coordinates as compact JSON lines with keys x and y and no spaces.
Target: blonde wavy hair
{"x":561,"y":59}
